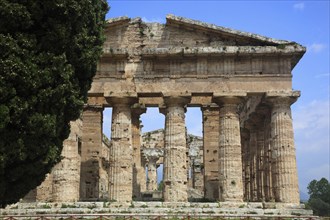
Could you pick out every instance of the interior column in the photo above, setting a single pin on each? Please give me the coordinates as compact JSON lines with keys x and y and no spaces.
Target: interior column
{"x":245,"y":139}
{"x":139,"y":174}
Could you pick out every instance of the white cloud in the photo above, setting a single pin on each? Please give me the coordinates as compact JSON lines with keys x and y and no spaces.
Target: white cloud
{"x":311,"y":125}
{"x":152,"y":20}
{"x":316,"y":47}
{"x":299,"y":6}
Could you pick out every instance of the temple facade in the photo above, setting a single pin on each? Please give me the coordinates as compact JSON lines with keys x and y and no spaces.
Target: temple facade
{"x":242,"y":83}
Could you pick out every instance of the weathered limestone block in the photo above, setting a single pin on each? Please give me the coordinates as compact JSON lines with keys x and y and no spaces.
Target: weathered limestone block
{"x":230,"y":166}
{"x":90,"y":152}
{"x":121,"y":152}
{"x":211,"y":154}
{"x":175,"y":167}
{"x":284,"y":169}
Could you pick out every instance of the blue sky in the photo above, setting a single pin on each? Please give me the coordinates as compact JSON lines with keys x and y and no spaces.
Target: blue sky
{"x":305,"y":22}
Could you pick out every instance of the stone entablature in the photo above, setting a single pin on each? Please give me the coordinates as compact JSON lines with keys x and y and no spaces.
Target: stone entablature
{"x":243,"y":84}
{"x":191,"y":52}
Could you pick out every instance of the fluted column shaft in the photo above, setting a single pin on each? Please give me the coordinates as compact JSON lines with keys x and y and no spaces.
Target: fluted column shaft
{"x":259,"y":164}
{"x":253,"y":163}
{"x":268,"y":192}
{"x":66,"y":174}
{"x":175,"y":167}
{"x":284,"y":169}
{"x":139,"y":174}
{"x":230,"y":157}
{"x":210,"y":152}
{"x":90,"y":152}
{"x":245,"y":139}
{"x":121,"y":154}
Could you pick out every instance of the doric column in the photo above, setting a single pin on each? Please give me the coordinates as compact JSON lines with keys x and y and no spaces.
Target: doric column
{"x":253,"y":163}
{"x":257,"y":148}
{"x":210,"y":151}
{"x":245,"y":139}
{"x":121,"y":151}
{"x":175,"y":167}
{"x":230,"y":155}
{"x":139,"y":174}
{"x":259,"y":164}
{"x":284,"y":170}
{"x":90,"y":152}
{"x":267,"y":162}
{"x":66,"y":174}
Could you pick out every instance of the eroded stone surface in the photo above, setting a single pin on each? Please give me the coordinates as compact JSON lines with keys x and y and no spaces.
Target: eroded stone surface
{"x":241,"y":81}
{"x":121,"y":154}
{"x":175,"y":166}
{"x":211,"y":152}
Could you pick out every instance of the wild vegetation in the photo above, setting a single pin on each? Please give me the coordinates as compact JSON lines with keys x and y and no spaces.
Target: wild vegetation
{"x":49,"y":52}
{"x":319,"y":197}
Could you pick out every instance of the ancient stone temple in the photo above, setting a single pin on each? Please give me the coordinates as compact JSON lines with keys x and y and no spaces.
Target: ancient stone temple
{"x":242,"y":83}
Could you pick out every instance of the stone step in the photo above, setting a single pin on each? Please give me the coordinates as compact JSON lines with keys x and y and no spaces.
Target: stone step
{"x":141,"y":209}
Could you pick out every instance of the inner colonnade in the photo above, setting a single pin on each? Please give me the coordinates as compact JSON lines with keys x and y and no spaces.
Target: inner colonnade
{"x":251,"y":135}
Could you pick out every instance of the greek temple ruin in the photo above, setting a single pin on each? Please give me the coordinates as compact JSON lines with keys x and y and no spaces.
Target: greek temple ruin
{"x":241,"y":82}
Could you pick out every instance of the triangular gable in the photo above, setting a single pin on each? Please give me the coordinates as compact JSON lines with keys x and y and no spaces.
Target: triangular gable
{"x":239,"y":36}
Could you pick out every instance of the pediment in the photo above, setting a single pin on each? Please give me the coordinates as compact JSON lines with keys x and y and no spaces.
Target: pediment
{"x":190,"y":37}
{"x":218,"y":35}
{"x":184,"y":32}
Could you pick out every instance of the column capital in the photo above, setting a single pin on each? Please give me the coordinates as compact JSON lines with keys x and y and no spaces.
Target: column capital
{"x":176,"y":100}
{"x":282,"y":99}
{"x":117,"y":100}
{"x":228,"y":100}
{"x":277,"y":101}
{"x":138,"y":109}
{"x":152,"y":153}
